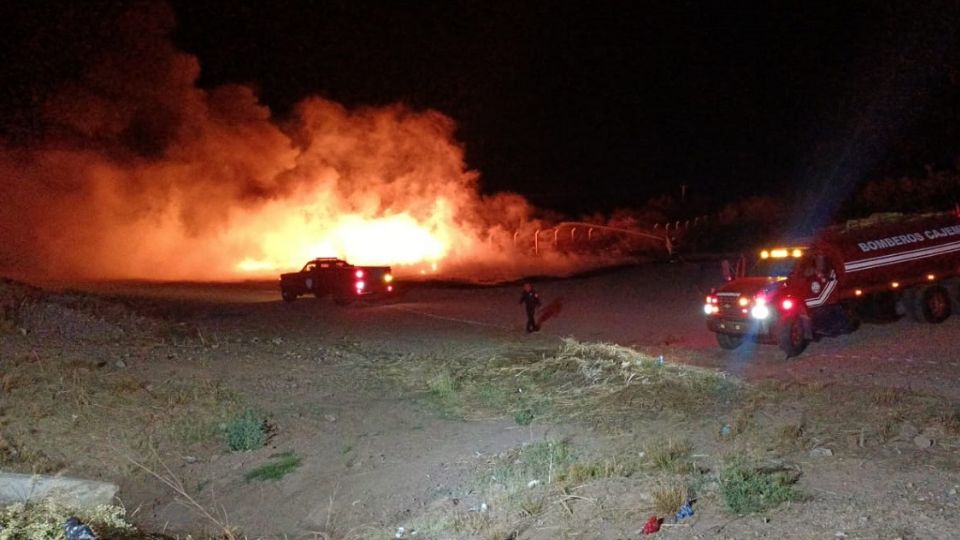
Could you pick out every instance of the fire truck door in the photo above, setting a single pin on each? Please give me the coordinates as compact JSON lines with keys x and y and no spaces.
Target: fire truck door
{"x":820,"y":278}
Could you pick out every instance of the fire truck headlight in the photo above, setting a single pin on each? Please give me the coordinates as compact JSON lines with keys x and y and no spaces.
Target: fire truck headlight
{"x":388,"y":278}
{"x":760,"y":311}
{"x":708,"y":309}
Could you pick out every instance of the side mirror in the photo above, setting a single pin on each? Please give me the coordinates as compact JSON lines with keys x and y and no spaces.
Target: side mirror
{"x":725,"y":270}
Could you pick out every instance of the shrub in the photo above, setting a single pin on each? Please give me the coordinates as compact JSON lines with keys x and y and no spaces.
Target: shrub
{"x":524,"y":417}
{"x":442,"y":385}
{"x":246,"y":432}
{"x":45,"y":519}
{"x":745,"y":489}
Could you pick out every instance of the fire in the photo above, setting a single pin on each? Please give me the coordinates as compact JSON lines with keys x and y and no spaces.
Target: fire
{"x":296,"y":236}
{"x":167,"y":180}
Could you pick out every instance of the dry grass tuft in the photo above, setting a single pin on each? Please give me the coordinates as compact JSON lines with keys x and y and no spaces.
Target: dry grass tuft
{"x":888,"y":397}
{"x":670,"y":455}
{"x":45,"y":519}
{"x":669,"y":496}
{"x":791,"y":436}
{"x":580,"y":472}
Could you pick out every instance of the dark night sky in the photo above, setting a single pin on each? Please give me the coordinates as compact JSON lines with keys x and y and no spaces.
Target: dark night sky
{"x":593,"y":105}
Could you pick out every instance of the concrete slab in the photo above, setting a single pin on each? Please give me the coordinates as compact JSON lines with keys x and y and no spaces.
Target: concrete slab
{"x":71,"y":491}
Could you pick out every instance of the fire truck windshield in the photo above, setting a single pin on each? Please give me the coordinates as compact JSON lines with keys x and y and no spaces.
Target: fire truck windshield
{"x":776,"y":268}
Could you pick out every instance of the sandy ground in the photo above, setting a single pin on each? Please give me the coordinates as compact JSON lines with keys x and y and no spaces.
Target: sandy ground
{"x":374,"y":458}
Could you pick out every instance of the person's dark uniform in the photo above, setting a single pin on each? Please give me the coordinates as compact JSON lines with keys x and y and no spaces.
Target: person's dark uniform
{"x":531,"y":300}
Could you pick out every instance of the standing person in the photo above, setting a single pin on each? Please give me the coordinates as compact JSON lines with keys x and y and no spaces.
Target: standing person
{"x":531,"y":301}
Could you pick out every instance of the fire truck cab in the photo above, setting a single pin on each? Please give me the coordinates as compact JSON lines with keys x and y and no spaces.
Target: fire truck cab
{"x":890,"y":264}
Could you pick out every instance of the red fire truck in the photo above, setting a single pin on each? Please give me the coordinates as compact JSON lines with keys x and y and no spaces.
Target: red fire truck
{"x":889,"y":264}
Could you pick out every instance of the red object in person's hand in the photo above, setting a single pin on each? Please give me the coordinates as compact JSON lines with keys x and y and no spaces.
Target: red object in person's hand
{"x":652,"y":525}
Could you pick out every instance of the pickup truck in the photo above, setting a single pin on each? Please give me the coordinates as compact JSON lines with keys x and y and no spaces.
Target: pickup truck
{"x":337,"y":278}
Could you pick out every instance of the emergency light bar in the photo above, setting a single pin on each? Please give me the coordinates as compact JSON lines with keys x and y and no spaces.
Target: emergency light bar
{"x":781,"y":253}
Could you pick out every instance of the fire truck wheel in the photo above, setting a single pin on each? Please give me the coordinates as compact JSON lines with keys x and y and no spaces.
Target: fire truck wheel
{"x":729,"y":342}
{"x":911,"y":304}
{"x":288,"y":296}
{"x":792,"y":338}
{"x":933,"y":304}
{"x":852,"y":316}
{"x":953,"y":287}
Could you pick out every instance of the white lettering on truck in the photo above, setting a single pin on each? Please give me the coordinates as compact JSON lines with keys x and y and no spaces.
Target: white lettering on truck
{"x":904,"y":239}
{"x":894,"y":241}
{"x":952,"y":230}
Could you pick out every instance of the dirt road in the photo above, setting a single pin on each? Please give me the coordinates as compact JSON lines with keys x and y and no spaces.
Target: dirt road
{"x":375,"y":457}
{"x":655,"y":308}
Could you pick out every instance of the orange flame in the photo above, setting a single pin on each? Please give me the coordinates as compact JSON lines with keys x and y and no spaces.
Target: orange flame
{"x":287,"y":233}
{"x":170,"y":181}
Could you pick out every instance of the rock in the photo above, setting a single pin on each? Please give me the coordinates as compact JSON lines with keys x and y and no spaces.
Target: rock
{"x":821,"y":452}
{"x":120,"y":364}
{"x":908,"y":431}
{"x":330,"y":418}
{"x":75,"y":492}
{"x":923,"y":441}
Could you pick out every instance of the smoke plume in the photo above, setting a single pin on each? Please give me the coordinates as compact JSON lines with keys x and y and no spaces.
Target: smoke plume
{"x":140,"y":173}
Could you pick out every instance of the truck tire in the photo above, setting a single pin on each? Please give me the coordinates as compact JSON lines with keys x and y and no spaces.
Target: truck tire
{"x":911,"y":304}
{"x":953,"y":287}
{"x":792,"y":337}
{"x":932,"y":304}
{"x":288,"y":296}
{"x":852,"y":313}
{"x":729,"y":341}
